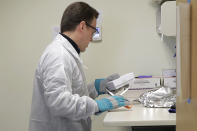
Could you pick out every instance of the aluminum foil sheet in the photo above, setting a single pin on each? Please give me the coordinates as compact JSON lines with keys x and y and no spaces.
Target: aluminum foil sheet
{"x":162,"y":97}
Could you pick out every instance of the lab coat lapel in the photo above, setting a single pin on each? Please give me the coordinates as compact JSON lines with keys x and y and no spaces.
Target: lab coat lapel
{"x":66,"y":44}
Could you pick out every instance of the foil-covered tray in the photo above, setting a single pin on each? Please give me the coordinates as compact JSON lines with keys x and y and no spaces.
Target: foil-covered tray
{"x":163,"y":97}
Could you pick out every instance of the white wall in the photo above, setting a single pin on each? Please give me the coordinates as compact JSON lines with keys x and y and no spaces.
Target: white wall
{"x":130,"y":43}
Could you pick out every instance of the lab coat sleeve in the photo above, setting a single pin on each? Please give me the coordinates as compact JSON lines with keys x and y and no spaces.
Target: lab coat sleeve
{"x":58,"y":94}
{"x":92,"y":90}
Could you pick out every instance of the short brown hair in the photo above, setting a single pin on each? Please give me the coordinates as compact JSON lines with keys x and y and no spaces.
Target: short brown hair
{"x":75,"y":13}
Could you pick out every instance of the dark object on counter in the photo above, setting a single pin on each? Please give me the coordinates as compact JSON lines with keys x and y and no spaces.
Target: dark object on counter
{"x":154,"y":128}
{"x":172,"y":109}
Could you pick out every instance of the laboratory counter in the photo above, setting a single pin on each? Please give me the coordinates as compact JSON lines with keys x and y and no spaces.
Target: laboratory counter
{"x":141,"y":118}
{"x":139,"y":115}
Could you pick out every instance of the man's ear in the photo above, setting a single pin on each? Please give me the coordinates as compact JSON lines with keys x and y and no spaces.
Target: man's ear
{"x":82,"y":25}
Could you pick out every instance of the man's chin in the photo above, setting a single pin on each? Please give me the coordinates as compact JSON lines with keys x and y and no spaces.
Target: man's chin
{"x":83,"y":50}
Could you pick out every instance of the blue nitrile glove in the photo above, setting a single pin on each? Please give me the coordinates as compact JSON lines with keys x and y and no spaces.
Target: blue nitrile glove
{"x":112,"y":102}
{"x":101,"y":84}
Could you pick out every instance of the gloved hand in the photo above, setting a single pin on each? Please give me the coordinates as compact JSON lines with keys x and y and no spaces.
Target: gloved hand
{"x":112,"y":102}
{"x":101,"y":84}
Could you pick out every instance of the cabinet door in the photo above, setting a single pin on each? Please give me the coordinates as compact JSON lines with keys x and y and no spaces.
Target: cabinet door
{"x":187,"y":65}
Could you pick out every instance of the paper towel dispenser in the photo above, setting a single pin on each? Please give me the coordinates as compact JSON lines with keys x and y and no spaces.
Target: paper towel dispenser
{"x":168,"y":18}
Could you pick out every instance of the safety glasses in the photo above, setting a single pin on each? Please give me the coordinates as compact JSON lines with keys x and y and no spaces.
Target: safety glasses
{"x":94,"y":28}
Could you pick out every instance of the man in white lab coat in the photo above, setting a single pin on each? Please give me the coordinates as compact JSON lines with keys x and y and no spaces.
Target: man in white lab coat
{"x":62,"y":101}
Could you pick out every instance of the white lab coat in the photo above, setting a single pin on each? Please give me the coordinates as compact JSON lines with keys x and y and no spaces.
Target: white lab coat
{"x":61,"y":99}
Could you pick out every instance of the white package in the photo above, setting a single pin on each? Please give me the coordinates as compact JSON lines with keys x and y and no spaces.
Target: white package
{"x":146,"y":83}
{"x":170,"y":82}
{"x":123,"y":80}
